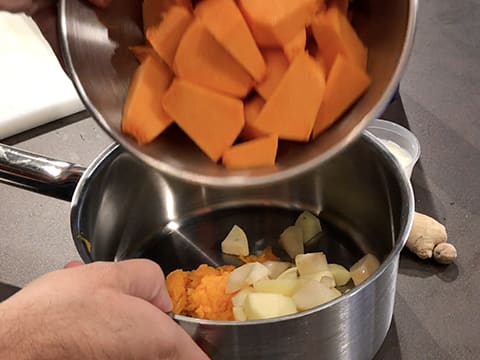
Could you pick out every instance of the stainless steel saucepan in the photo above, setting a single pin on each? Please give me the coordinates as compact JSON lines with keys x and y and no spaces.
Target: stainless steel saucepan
{"x":124,"y":209}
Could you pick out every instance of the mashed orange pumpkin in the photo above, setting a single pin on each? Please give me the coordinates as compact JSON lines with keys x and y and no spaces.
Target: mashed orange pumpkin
{"x":267,"y":254}
{"x":201,"y":293}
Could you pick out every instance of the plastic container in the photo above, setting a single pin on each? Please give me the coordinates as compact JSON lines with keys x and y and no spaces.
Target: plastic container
{"x":400,"y":141}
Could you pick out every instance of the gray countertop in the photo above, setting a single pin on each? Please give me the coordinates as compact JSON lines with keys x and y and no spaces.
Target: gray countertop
{"x":436,"y":311}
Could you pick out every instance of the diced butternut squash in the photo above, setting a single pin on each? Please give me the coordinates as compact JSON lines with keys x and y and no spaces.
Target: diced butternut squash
{"x":276,"y":22}
{"x":153,"y":10}
{"x":345,"y":84}
{"x":296,"y":45}
{"x":342,"y":5}
{"x":141,"y":52}
{"x":225,"y":22}
{"x":277,"y":65}
{"x":335,"y":35}
{"x":304,"y":59}
{"x":252,"y":108}
{"x":143,"y":115}
{"x":185,"y":3}
{"x":254,"y":153}
{"x":320,"y":61}
{"x":203,"y":61}
{"x":166,"y":36}
{"x":291,"y":111}
{"x":212,"y":120}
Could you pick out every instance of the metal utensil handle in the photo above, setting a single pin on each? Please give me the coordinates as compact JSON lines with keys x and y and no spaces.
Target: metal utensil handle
{"x":38,"y":173}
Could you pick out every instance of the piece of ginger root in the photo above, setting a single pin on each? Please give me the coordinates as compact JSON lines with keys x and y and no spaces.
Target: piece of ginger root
{"x":445,"y":253}
{"x":428,"y":238}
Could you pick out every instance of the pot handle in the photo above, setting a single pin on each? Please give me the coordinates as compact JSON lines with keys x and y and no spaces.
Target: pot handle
{"x":38,"y":173}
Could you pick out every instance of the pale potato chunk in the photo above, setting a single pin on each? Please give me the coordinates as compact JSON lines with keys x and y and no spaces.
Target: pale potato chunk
{"x":328,"y":282}
{"x":340,"y":274}
{"x":311,"y":263}
{"x":236,"y":242}
{"x":318,"y":276}
{"x":265,"y":305}
{"x":291,"y":273}
{"x":239,"y":313}
{"x":239,"y":298}
{"x":246,"y":275}
{"x":310,"y":225}
{"x":276,"y":267}
{"x":325,"y":277}
{"x":283,"y":286}
{"x":291,"y":240}
{"x":313,"y":293}
{"x":363,"y":268}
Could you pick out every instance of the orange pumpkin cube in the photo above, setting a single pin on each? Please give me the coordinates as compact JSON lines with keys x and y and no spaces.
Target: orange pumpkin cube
{"x":225,"y":22}
{"x":335,"y":35}
{"x":143,"y":115}
{"x":165,"y":36}
{"x":203,"y":61}
{"x":345,"y":83}
{"x":292,"y":109}
{"x":251,"y":154}
{"x":212,"y":120}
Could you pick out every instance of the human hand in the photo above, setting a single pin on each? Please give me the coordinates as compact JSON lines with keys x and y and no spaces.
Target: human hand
{"x":95,"y":311}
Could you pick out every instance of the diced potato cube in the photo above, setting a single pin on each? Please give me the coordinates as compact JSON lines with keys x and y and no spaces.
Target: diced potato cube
{"x":246,"y":275}
{"x":276,"y":267}
{"x":291,"y":273}
{"x":325,"y":277}
{"x":363,"y":268}
{"x":311,"y":263}
{"x":236,"y":242}
{"x":340,"y":274}
{"x":310,"y":225}
{"x":291,"y":240}
{"x":239,"y":298}
{"x":239,"y":313}
{"x":283,"y":286}
{"x":313,"y":293}
{"x":328,"y":282}
{"x":265,"y":305}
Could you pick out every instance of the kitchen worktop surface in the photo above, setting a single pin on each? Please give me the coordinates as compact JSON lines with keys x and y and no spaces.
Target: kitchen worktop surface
{"x":437,"y":307}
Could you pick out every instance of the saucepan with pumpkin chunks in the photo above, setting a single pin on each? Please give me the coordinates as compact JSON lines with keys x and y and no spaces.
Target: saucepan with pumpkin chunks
{"x":354,"y":211}
{"x":224,"y":92}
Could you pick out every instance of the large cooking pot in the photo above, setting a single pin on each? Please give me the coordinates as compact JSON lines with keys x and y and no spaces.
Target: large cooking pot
{"x":95,"y":46}
{"x":123,"y":209}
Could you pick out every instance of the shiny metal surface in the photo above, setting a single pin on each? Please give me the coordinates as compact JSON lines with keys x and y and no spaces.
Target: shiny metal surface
{"x":366,"y":204}
{"x":124,"y":209}
{"x":95,"y":44}
{"x":38,"y":173}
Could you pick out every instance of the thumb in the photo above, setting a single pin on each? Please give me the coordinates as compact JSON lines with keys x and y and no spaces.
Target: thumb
{"x":140,"y":278}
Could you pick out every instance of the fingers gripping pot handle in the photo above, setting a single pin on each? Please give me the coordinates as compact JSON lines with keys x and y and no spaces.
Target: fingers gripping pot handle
{"x":38,"y":173}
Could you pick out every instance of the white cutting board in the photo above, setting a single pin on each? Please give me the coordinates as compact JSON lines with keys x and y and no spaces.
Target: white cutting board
{"x":34,"y":89}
